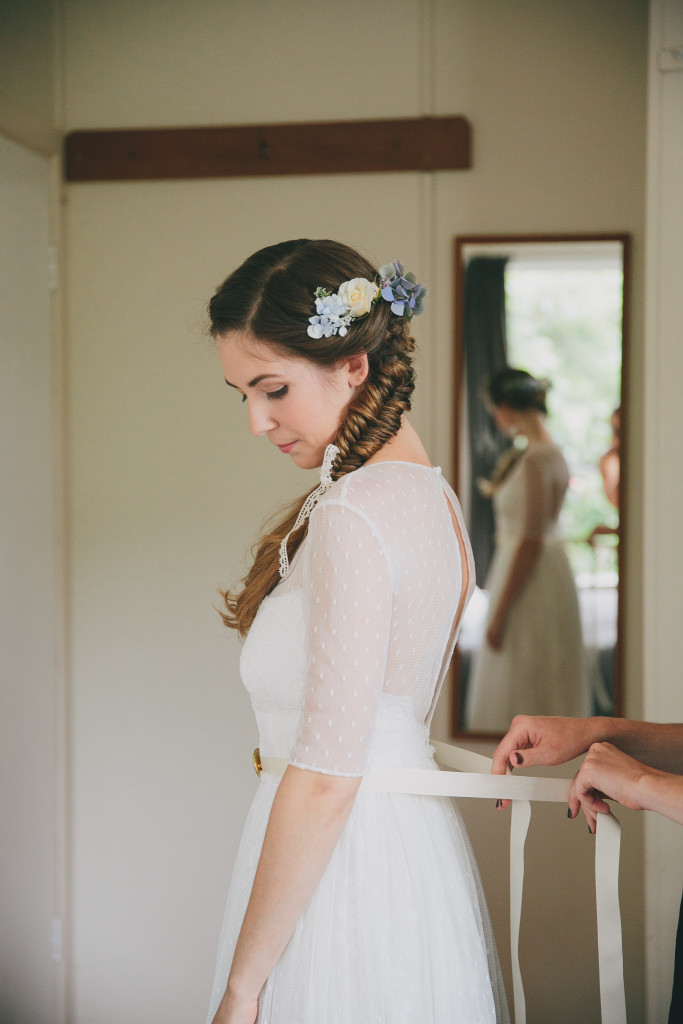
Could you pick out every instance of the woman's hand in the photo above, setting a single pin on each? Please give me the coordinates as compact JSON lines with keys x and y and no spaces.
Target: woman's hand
{"x":542,"y":740}
{"x":607,"y":772}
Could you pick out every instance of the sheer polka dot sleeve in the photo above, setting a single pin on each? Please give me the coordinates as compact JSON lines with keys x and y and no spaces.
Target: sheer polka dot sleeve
{"x":349,"y":607}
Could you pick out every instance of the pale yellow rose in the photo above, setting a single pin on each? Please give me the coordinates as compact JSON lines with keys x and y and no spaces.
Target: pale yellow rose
{"x":358,"y":295}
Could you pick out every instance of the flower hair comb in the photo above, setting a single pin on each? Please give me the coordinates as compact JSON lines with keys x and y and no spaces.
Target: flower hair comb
{"x":336,"y":311}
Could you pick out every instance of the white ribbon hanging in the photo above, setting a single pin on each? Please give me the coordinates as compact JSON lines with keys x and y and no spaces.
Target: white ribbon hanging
{"x":326,"y":481}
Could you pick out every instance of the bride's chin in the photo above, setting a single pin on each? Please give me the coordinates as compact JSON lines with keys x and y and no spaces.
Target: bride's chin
{"x":304,"y":461}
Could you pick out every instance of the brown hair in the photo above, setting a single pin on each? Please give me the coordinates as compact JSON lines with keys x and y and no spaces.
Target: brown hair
{"x":271,"y":296}
{"x":517,"y":389}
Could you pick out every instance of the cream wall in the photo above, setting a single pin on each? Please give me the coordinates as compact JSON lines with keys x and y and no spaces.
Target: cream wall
{"x":33,"y":790}
{"x":30,"y":802}
{"x":166,"y":488}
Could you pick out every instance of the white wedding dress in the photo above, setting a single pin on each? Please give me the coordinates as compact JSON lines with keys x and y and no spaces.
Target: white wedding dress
{"x":343,"y":664}
{"x":540,"y":669}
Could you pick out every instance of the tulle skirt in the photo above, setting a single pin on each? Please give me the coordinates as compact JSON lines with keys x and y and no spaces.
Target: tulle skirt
{"x":397,"y":931}
{"x":540,"y":669}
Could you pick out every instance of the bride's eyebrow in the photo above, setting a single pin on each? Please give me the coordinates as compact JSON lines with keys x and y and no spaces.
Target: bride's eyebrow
{"x":255,"y":381}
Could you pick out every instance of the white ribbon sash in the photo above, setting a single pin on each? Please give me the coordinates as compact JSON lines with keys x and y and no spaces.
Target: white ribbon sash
{"x":469,"y":775}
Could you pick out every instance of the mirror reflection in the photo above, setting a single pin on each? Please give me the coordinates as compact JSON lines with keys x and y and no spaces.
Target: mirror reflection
{"x":539,"y":349}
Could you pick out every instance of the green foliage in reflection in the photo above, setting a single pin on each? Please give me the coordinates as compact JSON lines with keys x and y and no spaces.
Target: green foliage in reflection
{"x":565,"y":324}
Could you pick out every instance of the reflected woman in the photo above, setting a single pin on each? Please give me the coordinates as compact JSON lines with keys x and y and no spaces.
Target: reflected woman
{"x":531,"y":660}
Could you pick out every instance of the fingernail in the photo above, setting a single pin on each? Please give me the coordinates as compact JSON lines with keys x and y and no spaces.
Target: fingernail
{"x":517,"y":758}
{"x":498,"y":804}
{"x":569,"y":812}
{"x":590,"y":831}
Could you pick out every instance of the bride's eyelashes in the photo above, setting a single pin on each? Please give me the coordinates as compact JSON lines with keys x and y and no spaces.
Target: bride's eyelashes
{"x":274,"y":395}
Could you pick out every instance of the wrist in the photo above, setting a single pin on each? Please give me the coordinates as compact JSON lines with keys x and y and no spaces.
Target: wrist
{"x":648,"y":788}
{"x":604,"y":730}
{"x":239,"y":991}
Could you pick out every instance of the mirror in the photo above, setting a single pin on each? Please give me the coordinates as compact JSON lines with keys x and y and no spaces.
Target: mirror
{"x":557,"y":307}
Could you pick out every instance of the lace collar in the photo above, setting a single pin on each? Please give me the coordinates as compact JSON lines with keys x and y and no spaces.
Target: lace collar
{"x":311,"y":501}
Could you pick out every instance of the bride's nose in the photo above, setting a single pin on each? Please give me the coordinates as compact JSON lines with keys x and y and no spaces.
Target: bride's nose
{"x":260,"y":418}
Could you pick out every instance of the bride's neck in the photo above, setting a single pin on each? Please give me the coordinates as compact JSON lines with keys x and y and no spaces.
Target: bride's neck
{"x":405,"y":446}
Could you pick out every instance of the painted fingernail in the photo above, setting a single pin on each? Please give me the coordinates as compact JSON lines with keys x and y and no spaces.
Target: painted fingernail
{"x":499,"y":803}
{"x":590,"y":831}
{"x":517,"y":758}
{"x":569,"y":812}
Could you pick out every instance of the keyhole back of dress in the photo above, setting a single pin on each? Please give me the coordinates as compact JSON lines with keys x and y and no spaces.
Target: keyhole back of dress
{"x":466,"y":587}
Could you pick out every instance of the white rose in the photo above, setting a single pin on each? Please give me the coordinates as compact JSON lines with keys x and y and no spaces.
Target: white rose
{"x":358,"y":295}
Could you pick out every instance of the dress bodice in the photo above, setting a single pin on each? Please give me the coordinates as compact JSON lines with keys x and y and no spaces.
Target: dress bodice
{"x":528,"y":501}
{"x":346,"y":656}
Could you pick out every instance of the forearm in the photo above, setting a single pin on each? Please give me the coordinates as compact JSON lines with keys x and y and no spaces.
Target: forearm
{"x":308,"y":815}
{"x":655,"y":744}
{"x":539,"y":740}
{"x":521,"y":569}
{"x":662,"y":792}
{"x":607,"y":772}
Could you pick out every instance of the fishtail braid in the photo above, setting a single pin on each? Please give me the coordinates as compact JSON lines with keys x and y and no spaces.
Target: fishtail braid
{"x":374,"y":416}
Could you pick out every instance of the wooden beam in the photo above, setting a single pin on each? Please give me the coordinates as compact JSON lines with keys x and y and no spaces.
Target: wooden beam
{"x":334,"y":147}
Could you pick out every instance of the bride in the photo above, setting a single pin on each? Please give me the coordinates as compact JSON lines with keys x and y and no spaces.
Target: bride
{"x":348,"y":905}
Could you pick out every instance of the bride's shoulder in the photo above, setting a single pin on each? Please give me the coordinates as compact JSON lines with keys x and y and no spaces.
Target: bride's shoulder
{"x":377,"y":486}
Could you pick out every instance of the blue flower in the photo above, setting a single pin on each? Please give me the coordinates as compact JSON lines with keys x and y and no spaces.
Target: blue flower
{"x":332,"y":316}
{"x":401,"y":290}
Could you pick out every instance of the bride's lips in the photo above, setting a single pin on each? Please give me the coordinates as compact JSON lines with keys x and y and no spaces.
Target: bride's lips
{"x":286,"y":447}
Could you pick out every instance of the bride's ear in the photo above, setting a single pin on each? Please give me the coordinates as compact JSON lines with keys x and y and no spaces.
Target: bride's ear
{"x":357,"y":369}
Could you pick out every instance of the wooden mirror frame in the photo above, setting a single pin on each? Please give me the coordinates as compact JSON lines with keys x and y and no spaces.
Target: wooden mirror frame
{"x":624,"y":240}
